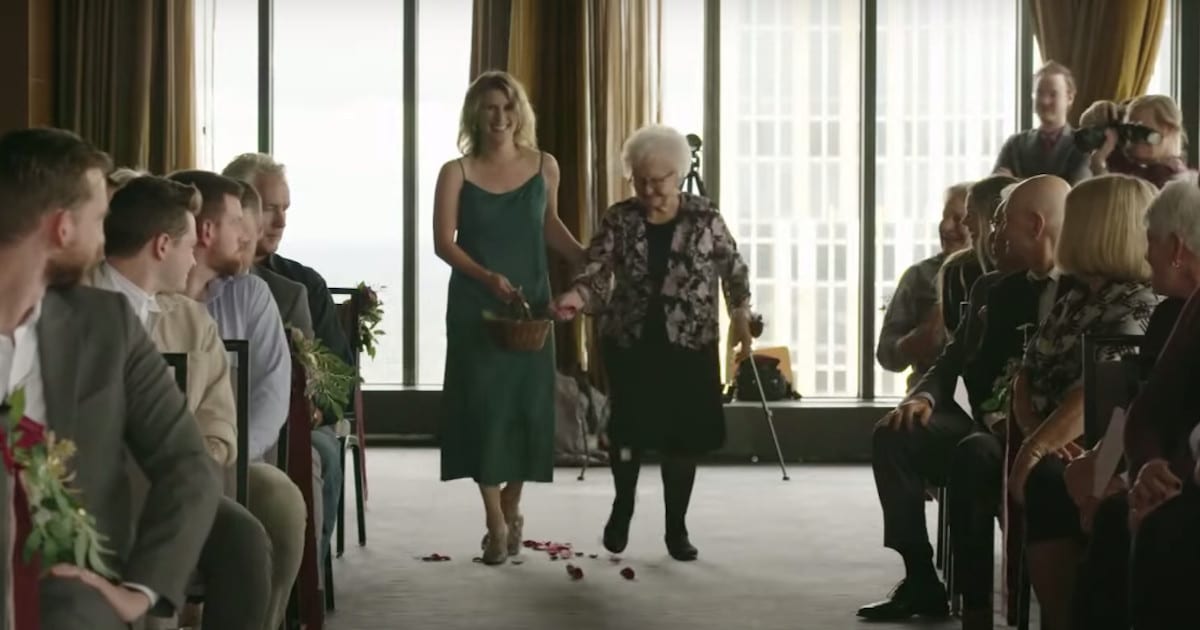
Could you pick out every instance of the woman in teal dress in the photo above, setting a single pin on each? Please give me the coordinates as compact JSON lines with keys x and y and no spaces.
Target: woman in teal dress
{"x":495,"y":213}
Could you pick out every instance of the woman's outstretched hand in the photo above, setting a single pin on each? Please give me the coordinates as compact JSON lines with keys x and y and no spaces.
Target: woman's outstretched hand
{"x":568,"y":305}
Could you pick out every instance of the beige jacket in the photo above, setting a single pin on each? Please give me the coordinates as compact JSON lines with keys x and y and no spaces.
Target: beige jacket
{"x":183,"y":325}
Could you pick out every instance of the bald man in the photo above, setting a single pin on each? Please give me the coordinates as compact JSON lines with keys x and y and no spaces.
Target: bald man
{"x":928,"y":438}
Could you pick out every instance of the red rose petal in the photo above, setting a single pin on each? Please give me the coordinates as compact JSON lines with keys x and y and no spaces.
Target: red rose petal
{"x":628,"y":573}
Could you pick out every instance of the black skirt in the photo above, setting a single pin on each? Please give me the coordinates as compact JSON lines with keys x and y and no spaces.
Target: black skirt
{"x":664,"y":397}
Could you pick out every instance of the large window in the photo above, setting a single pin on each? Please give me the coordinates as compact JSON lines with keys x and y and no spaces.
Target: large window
{"x":338,"y":105}
{"x":226,"y":80}
{"x":790,"y":176}
{"x":944,"y":106}
{"x":443,"y":78}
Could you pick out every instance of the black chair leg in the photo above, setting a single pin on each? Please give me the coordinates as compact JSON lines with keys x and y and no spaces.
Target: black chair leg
{"x":358,"y":494}
{"x":940,"y":552}
{"x":341,"y":516}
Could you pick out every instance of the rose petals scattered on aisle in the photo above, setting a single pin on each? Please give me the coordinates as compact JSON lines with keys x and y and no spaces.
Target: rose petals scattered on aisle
{"x":435,"y":557}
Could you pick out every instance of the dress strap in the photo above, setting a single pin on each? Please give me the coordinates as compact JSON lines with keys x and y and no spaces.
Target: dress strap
{"x":462,"y":167}
{"x":541,"y":160}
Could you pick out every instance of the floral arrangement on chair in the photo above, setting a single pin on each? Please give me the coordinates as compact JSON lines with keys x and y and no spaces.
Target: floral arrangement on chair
{"x":60,"y":529}
{"x":370,"y":315}
{"x":328,"y":377}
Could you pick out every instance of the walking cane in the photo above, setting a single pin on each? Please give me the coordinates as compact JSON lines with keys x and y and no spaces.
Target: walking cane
{"x":762,"y":396}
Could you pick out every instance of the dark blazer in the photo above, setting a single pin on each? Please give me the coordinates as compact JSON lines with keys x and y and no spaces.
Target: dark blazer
{"x":290,"y":296}
{"x":1167,"y":408}
{"x":109,"y":390}
{"x":983,"y":345}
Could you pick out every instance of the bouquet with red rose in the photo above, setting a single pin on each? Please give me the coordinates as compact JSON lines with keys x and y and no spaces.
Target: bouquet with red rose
{"x":59,"y":529}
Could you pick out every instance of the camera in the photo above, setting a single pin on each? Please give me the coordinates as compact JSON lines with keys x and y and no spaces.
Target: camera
{"x":1089,"y":139}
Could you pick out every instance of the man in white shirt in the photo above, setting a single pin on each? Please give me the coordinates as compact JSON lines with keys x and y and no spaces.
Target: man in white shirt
{"x":150,"y":237}
{"x":90,"y":373}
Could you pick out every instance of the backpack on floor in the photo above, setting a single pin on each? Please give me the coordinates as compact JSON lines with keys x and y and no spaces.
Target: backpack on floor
{"x":775,"y":386}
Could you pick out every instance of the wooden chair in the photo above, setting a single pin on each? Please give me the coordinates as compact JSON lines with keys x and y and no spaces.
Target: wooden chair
{"x":305,"y":607}
{"x":349,"y":312}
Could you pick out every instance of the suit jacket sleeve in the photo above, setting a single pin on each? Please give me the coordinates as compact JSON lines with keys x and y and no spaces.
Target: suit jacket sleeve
{"x":184,"y":487}
{"x":299,"y":313}
{"x":1007,"y":154}
{"x":216,"y":412}
{"x":1167,"y":409}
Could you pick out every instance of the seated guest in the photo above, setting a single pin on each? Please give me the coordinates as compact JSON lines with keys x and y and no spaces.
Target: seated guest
{"x":149,"y":239}
{"x":243,"y":309}
{"x":91,"y":375}
{"x":918,"y":442}
{"x":290,"y":296}
{"x":1049,"y":149}
{"x":913,"y":332}
{"x":1156,"y":431}
{"x":1156,"y":153}
{"x":964,"y":267}
{"x":1104,"y":247}
{"x":270,"y":179}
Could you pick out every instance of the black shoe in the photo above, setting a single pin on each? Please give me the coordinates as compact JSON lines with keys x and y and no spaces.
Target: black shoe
{"x":681,"y":548}
{"x":925,"y":598}
{"x":616,"y":533}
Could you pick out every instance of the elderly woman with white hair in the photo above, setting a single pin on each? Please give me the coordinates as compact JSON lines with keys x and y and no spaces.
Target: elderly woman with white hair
{"x":653,"y":268}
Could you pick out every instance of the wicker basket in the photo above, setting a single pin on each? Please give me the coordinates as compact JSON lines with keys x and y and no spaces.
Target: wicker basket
{"x":519,"y":335}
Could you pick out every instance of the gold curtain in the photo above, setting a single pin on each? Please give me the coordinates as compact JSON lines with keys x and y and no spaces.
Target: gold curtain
{"x":125,"y":79}
{"x":489,"y":36}
{"x":1109,"y":45}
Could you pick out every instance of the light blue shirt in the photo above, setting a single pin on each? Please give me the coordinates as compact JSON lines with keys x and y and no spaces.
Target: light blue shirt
{"x":244,"y":309}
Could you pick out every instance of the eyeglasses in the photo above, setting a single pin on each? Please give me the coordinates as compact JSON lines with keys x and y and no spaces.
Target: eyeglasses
{"x":652,"y":182}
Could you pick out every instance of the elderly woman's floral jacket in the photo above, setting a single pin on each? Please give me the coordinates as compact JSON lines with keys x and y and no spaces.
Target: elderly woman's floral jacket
{"x":616,"y":280}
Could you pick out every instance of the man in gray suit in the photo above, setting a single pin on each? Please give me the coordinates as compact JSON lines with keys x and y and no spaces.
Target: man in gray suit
{"x":91,"y":375}
{"x":290,"y":296}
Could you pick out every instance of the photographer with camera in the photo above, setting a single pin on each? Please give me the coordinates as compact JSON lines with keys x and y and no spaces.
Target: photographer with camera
{"x":1146,"y":142}
{"x":1047,"y":150}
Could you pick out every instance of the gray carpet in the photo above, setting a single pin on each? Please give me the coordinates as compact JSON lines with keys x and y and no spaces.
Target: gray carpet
{"x":797,"y":555}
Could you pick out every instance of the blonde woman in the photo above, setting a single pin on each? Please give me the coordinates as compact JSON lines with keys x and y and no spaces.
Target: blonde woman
{"x":1103,"y":245}
{"x":495,"y":213}
{"x":1156,"y":154}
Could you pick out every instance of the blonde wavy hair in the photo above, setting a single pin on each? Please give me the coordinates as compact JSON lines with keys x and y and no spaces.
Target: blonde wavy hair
{"x":1103,"y":231}
{"x":472,"y":120}
{"x":1165,"y":113}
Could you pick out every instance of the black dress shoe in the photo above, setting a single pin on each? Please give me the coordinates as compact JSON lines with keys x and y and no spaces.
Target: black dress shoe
{"x":925,"y":598}
{"x":616,"y":533}
{"x":682,"y":549}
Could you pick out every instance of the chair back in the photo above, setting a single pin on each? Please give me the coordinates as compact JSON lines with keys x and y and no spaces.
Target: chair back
{"x":178,"y":362}
{"x":239,"y":372}
{"x":1112,"y":376}
{"x":349,"y":311}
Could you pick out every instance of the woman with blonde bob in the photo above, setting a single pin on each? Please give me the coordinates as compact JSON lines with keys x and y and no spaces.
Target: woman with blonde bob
{"x":495,"y":212}
{"x":1102,"y":244}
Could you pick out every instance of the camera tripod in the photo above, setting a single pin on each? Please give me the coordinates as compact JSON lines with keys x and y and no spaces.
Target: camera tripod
{"x":691,"y":182}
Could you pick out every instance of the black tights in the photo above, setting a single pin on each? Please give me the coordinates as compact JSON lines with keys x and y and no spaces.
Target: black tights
{"x":678,"y":476}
